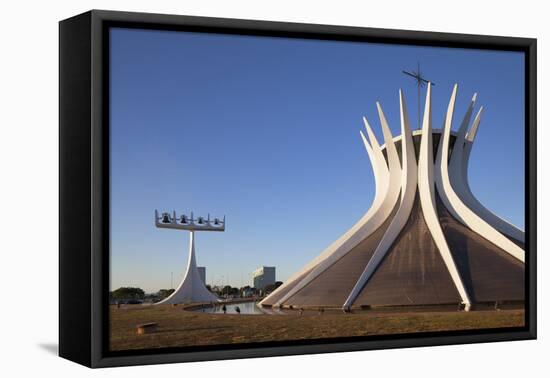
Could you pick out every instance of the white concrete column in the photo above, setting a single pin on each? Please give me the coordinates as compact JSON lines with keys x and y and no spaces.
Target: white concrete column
{"x":458,"y":172}
{"x":427,"y":200}
{"x":454,"y":204}
{"x":191,"y":288}
{"x":408,"y":192}
{"x":373,"y":218}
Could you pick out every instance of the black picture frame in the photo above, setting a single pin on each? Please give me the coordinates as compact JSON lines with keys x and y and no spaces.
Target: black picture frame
{"x":84,"y":186}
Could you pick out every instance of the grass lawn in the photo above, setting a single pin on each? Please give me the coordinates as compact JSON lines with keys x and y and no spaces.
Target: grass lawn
{"x":177,"y":327}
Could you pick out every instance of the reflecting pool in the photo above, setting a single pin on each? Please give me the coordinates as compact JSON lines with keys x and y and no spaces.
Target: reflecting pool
{"x":246,"y":308}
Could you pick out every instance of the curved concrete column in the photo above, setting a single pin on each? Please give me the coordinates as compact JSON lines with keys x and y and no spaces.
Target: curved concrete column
{"x":373,"y":219}
{"x":191,"y":288}
{"x":381,"y":180}
{"x":454,"y":204}
{"x":408,"y":192}
{"x":427,"y":200}
{"x":458,"y":172}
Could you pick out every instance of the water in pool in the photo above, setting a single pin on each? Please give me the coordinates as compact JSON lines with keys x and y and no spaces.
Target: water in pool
{"x":246,"y":308}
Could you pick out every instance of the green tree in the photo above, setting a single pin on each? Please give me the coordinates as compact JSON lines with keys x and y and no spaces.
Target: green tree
{"x":244,"y":290}
{"x":164,"y":293}
{"x":226,"y":290}
{"x":270,"y":288}
{"x":126,"y":293}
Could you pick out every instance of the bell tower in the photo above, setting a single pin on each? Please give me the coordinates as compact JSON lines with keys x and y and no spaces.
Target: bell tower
{"x":191,"y":288}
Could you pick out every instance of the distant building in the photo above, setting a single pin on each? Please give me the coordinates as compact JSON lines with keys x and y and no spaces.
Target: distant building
{"x":263,"y":276}
{"x":202,"y":273}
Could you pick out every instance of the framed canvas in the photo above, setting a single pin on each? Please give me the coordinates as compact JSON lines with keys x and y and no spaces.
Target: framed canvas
{"x":235,"y":188}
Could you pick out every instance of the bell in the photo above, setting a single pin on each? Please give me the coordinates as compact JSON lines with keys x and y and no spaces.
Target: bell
{"x":183,"y":219}
{"x":166,"y":218}
{"x":201,"y":220}
{"x":216,"y":221}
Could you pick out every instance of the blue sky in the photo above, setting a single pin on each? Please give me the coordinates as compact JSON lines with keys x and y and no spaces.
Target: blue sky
{"x":266,"y":131}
